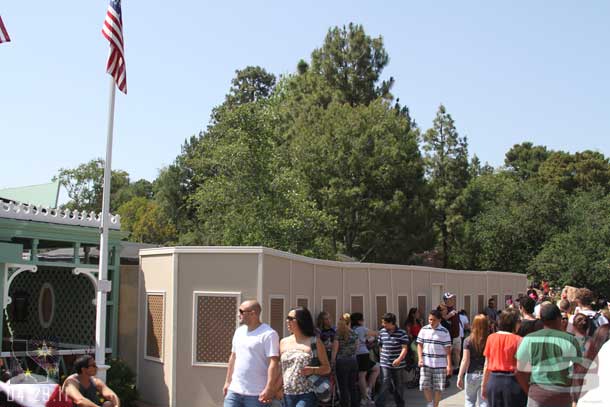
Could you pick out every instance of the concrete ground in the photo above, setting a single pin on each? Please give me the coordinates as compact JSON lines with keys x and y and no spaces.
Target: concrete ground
{"x":453,"y":397}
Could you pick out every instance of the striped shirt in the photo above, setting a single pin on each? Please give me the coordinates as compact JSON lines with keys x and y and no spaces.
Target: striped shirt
{"x":391,"y":345}
{"x":435,"y":342}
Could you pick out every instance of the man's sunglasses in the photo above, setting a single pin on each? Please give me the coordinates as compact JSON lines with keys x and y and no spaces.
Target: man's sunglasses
{"x":241,"y":311}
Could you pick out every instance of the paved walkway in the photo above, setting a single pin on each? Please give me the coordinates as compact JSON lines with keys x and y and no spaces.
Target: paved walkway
{"x":453,"y":397}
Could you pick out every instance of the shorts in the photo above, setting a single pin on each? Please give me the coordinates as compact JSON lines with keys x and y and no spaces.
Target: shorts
{"x":433,"y":378}
{"x":364,"y":362}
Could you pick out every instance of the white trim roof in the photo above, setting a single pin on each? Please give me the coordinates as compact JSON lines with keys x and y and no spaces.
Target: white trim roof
{"x":23,"y":211}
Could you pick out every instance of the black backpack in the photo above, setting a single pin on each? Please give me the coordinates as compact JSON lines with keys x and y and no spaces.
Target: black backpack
{"x":594,"y":323}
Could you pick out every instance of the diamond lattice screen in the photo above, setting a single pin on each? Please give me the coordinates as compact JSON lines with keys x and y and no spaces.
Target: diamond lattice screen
{"x":215,"y":328}
{"x":74,"y":312}
{"x":357,"y":304}
{"x":154,"y":327}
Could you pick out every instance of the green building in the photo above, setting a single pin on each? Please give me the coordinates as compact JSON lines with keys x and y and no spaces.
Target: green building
{"x":48,"y":281}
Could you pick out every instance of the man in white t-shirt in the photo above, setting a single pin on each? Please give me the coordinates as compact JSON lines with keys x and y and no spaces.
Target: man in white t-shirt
{"x":584,"y":298}
{"x":254,"y":363}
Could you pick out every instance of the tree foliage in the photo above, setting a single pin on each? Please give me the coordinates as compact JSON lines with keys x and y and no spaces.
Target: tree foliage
{"x":145,"y":223}
{"x":350,"y":62}
{"x":364,"y":168}
{"x":580,"y":254}
{"x":326,"y":161}
{"x":585,"y":170}
{"x":524,"y":160}
{"x":448,"y":170}
{"x":85,"y":183}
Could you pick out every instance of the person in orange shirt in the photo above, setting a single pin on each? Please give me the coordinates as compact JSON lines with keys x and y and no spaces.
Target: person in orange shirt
{"x":500,"y":387}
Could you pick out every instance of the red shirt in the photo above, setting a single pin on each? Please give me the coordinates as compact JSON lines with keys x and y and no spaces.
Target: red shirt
{"x":415,"y":328}
{"x":500,"y":352}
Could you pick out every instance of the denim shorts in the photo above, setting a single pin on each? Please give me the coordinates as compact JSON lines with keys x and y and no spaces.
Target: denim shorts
{"x":300,"y":400}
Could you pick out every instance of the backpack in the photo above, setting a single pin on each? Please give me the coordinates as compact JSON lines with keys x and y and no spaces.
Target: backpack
{"x":321,"y":384}
{"x":594,"y":323}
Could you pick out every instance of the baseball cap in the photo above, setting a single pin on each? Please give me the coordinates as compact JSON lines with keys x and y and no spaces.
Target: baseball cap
{"x":448,"y":295}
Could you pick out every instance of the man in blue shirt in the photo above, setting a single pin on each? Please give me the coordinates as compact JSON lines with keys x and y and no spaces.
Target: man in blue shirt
{"x":394,"y":344}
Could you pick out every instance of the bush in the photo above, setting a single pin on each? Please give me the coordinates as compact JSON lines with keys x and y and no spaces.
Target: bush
{"x":122,"y":380}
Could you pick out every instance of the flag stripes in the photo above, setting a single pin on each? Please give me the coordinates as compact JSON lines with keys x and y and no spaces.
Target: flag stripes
{"x":3,"y":33}
{"x":113,"y":32}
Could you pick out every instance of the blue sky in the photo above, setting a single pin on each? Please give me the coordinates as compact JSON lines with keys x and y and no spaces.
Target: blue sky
{"x":508,"y":73}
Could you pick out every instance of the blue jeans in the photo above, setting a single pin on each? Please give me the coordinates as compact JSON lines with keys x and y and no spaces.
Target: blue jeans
{"x":300,"y":400}
{"x":239,"y":400}
{"x":473,"y":390}
{"x":391,"y":378}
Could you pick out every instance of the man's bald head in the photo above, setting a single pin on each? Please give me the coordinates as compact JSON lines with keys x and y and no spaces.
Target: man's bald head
{"x":252,"y":305}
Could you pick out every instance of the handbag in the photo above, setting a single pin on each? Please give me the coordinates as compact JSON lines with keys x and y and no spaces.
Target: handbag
{"x":321,"y":384}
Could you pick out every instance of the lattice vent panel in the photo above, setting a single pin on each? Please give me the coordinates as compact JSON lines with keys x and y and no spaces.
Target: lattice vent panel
{"x":216,"y":322}
{"x":154,"y":333}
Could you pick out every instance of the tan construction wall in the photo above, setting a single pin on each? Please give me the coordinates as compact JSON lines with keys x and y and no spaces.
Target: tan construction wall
{"x":155,"y":378}
{"x":128,"y":315}
{"x":201,"y":386}
{"x":262,"y":273}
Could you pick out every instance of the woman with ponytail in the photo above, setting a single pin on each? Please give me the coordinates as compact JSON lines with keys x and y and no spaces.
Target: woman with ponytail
{"x":343,"y":358}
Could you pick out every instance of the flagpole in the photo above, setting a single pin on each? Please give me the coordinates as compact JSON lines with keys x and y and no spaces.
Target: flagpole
{"x":103,"y":286}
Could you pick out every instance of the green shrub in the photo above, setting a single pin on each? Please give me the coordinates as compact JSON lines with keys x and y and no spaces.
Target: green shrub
{"x":122,"y":380}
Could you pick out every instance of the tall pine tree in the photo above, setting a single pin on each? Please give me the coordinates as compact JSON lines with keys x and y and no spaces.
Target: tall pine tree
{"x":447,"y":169}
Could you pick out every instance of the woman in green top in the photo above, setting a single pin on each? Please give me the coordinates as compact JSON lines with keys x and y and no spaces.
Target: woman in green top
{"x":344,"y":359}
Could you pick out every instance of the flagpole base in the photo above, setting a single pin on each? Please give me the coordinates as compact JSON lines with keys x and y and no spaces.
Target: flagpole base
{"x":101,"y":371}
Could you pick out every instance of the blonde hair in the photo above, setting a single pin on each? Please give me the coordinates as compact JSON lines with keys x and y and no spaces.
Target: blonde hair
{"x":343,"y":326}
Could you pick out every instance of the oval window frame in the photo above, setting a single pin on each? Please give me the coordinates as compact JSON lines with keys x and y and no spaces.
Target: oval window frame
{"x":45,"y":287}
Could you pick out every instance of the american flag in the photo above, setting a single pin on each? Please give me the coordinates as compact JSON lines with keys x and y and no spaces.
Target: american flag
{"x":113,"y":31}
{"x":3,"y":33}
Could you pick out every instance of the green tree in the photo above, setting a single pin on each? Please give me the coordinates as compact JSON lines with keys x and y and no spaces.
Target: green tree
{"x":141,"y":188}
{"x":585,"y":170}
{"x":507,"y":222}
{"x":85,"y":186}
{"x":448,"y":170}
{"x":245,"y":195}
{"x":579,"y":255}
{"x":144,"y":221}
{"x":249,"y":85}
{"x":524,"y":160}
{"x":347,"y":68}
{"x":364,"y":168}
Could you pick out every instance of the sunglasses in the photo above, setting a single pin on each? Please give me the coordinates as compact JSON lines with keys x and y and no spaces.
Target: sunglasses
{"x":289,"y":318}
{"x":242,"y":312}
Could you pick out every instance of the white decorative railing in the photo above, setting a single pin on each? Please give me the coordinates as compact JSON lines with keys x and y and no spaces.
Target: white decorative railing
{"x":22,"y":211}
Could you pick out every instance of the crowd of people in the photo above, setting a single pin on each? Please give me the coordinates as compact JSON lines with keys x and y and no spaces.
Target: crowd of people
{"x":535,"y":352}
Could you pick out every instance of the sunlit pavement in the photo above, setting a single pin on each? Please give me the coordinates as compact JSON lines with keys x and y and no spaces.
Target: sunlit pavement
{"x":452,"y":397}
